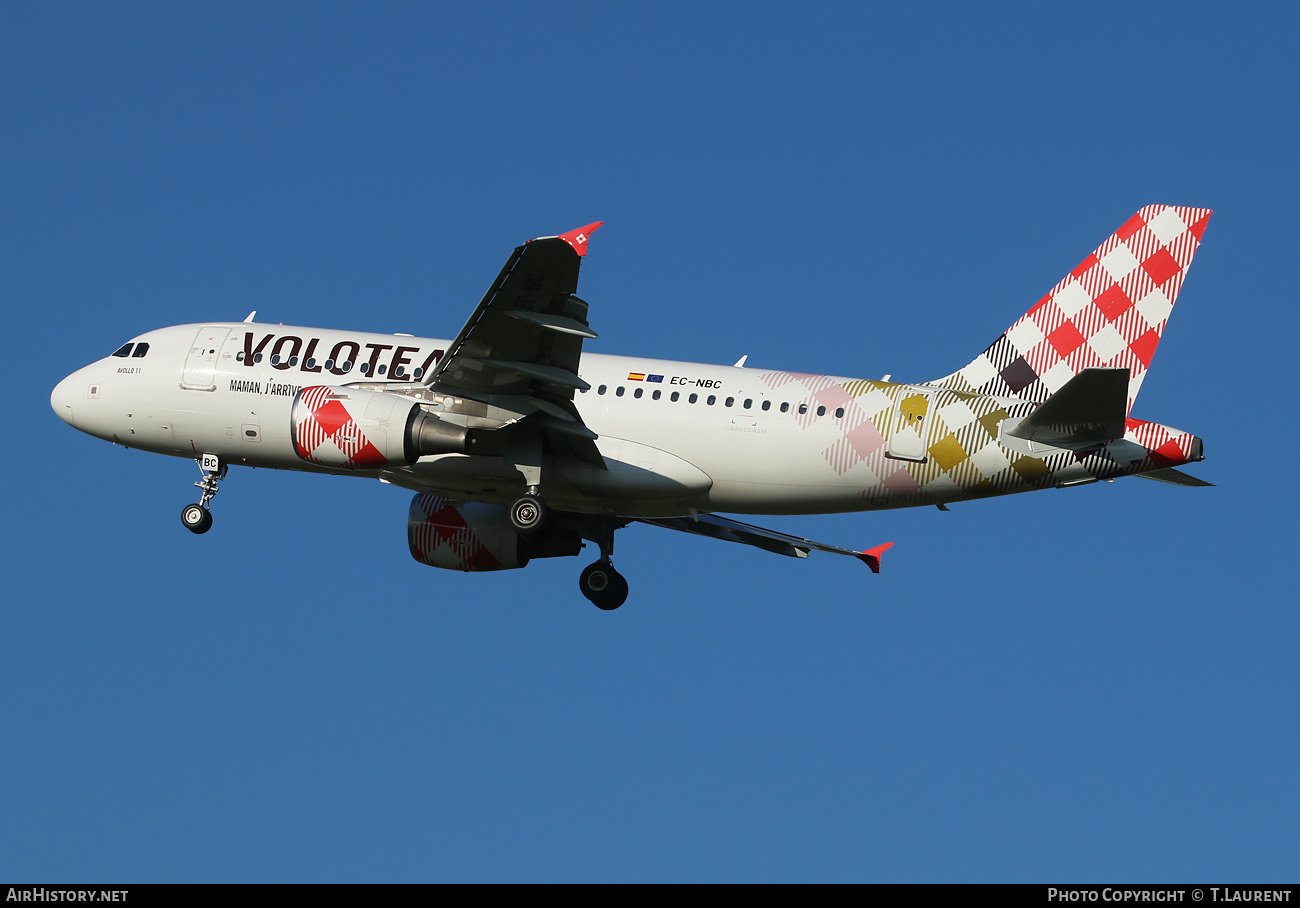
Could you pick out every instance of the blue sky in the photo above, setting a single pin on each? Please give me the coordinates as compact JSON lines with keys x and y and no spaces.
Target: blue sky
{"x":1092,"y":684}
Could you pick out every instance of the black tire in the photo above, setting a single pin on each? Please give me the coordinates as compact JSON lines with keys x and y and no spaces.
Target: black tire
{"x":196,"y":518}
{"x":603,"y":586}
{"x":528,"y":515}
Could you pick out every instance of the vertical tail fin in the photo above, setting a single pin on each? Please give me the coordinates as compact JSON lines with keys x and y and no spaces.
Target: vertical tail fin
{"x":1110,"y":311}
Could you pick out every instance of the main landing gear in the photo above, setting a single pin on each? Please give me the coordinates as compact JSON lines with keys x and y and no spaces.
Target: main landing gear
{"x":529,"y":514}
{"x":196,"y":517}
{"x":605,"y":587}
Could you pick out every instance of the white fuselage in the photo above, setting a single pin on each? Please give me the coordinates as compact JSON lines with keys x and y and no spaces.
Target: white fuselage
{"x":730,"y":439}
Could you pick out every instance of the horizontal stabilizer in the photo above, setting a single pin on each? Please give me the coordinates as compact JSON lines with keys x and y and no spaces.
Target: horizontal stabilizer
{"x":1174,"y":477}
{"x":871,"y":557}
{"x":1089,"y":409}
{"x":729,"y":530}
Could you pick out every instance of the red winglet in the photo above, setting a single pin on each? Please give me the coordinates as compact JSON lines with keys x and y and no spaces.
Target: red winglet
{"x":871,"y":557}
{"x":578,"y":238}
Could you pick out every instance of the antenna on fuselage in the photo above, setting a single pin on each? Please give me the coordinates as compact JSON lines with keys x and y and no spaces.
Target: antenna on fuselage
{"x":741,"y":362}
{"x":250,"y":317}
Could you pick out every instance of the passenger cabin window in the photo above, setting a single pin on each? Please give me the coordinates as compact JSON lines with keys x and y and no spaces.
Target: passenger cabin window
{"x":676,"y":396}
{"x":839,"y":412}
{"x":693,"y":398}
{"x":748,"y":403}
{"x":821,"y":411}
{"x":712,"y":400}
{"x":731,"y":401}
{"x":785,"y":408}
{"x":803,"y":408}
{"x":124,"y":350}
{"x":618,"y":392}
{"x":383,"y":369}
{"x":419,"y":371}
{"x":140,"y":350}
{"x":601,"y":389}
{"x":638,"y":392}
{"x":657,"y":394}
{"x":767,"y":405}
{"x":365,"y":368}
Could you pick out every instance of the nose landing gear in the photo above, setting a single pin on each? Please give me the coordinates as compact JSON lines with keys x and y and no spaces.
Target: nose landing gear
{"x":196,"y":517}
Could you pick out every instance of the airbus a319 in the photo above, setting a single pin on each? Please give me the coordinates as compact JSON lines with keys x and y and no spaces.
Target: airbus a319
{"x":520,"y":445}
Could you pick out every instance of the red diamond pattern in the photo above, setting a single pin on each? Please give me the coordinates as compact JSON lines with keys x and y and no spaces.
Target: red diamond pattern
{"x":1066,"y":339}
{"x":1131,"y":226}
{"x":320,"y":417}
{"x":332,"y":416}
{"x":1145,"y":347}
{"x":440,"y":535}
{"x":1161,"y":266}
{"x":1113,"y":303}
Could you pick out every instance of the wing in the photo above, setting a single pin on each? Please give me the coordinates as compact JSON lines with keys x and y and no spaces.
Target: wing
{"x":781,"y":543}
{"x":525,"y":337}
{"x":516,"y":360}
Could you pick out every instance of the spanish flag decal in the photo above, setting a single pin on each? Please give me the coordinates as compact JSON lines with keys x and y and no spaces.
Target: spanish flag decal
{"x":636,"y":376}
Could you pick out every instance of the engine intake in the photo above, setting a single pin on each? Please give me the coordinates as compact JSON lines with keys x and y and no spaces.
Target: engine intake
{"x":352,"y":429}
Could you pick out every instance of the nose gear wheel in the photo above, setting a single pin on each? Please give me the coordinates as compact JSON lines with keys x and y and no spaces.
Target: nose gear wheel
{"x":196,"y":517}
{"x":197,"y":520}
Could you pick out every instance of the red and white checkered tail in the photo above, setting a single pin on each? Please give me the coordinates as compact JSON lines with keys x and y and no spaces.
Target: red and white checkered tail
{"x":1110,"y":311}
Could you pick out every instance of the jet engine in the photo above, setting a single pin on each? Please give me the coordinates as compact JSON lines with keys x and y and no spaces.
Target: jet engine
{"x":473,"y":536}
{"x":365,"y":430}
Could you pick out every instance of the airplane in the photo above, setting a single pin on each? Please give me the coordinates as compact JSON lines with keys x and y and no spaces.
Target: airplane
{"x":519,"y":445}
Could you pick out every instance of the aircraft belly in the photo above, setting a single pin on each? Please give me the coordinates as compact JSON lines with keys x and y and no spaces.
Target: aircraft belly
{"x":757,"y":460}
{"x":635,"y":472}
{"x":638,"y":480}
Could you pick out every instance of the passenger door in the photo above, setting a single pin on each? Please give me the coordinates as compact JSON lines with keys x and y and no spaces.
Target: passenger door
{"x":909,"y":429}
{"x":200,"y":369}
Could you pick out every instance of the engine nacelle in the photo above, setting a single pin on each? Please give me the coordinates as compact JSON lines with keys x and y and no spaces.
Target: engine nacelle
{"x":472,"y":536}
{"x":365,"y":430}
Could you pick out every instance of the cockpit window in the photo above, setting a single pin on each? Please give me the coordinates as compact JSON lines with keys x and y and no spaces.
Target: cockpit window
{"x":140,"y":350}
{"x":125,"y":350}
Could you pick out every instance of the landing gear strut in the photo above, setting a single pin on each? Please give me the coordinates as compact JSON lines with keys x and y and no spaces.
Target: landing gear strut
{"x":196,"y":517}
{"x":605,"y":587}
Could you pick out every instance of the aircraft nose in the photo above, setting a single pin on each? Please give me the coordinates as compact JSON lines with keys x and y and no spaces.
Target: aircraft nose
{"x":61,"y":400}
